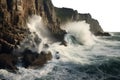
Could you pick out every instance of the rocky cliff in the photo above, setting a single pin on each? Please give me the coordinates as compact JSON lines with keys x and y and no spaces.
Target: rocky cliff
{"x":13,"y":28}
{"x":67,"y":14}
{"x":13,"y":18}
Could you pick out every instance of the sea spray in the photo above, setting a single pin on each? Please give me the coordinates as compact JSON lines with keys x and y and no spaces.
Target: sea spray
{"x":39,"y":35}
{"x":81,"y":31}
{"x":35,"y":25}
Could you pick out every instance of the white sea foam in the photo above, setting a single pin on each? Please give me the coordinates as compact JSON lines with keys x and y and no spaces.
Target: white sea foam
{"x":81,"y":31}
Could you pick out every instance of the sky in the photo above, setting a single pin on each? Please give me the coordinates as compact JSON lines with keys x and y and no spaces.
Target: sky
{"x":107,"y":12}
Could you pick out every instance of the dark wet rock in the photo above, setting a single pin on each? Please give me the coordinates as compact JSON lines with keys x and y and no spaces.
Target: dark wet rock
{"x":8,"y":61}
{"x":46,"y":46}
{"x":28,"y":57}
{"x":57,"y":55}
{"x":31,"y":58}
{"x":48,"y":55}
{"x":42,"y":58}
{"x":63,"y":43}
{"x":13,"y":29}
{"x":13,"y":19}
{"x":0,"y":48}
{"x":6,"y":47}
{"x":102,"y":34}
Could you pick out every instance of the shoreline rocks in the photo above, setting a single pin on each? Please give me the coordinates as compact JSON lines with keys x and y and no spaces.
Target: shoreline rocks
{"x":28,"y":59}
{"x":35,"y":59}
{"x":102,"y":34}
{"x":8,"y":61}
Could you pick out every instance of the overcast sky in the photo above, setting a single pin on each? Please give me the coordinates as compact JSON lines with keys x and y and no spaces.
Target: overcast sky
{"x":107,"y":12}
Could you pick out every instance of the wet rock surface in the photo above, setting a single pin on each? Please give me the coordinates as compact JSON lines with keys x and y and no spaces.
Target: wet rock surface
{"x":102,"y":34}
{"x":13,"y":29}
{"x":35,"y":59}
{"x":63,"y":43}
{"x":13,"y":19}
{"x":8,"y":61}
{"x":28,"y":59}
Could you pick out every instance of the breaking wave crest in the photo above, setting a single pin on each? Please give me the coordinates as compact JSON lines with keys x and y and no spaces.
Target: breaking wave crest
{"x":81,"y":31}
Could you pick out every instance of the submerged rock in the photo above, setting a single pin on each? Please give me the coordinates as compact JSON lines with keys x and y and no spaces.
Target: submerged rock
{"x":57,"y":55}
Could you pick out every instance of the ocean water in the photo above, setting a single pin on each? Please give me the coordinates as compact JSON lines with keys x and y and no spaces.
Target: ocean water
{"x":86,"y":57}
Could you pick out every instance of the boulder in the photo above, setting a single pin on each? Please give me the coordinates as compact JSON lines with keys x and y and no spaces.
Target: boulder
{"x":42,"y":58}
{"x":28,"y":57}
{"x":35,"y":59}
{"x":46,"y":46}
{"x":8,"y":61}
{"x":49,"y":55}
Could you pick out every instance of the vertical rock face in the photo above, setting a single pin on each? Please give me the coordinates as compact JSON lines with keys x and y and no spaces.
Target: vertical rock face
{"x":94,"y":24}
{"x":13,"y":18}
{"x":10,"y":25}
{"x":13,"y":28}
{"x":14,"y":14}
{"x":51,"y":20}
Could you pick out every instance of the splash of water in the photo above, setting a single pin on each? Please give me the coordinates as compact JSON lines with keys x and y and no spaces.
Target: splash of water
{"x":38,"y":37}
{"x":81,"y":31}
